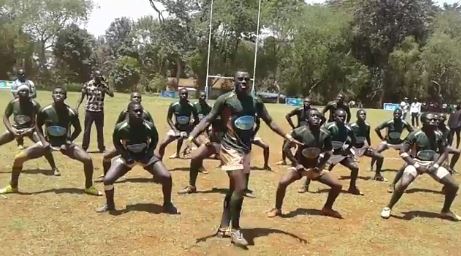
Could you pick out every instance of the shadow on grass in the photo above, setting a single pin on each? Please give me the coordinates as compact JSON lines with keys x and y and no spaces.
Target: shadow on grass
{"x":415,"y":214}
{"x":184,"y":169}
{"x":254,"y":168}
{"x":425,"y":190}
{"x":359,"y":177}
{"x":214,"y":190}
{"x":389,"y":170}
{"x":302,"y":211}
{"x":56,"y":191}
{"x":326,"y":190}
{"x":47,"y":172}
{"x":251,"y":233}
{"x":143,"y":207}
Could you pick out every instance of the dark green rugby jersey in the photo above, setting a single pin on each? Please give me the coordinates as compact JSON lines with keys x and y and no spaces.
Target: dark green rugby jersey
{"x":124,"y":116}
{"x":340,"y":135}
{"x":202,"y":110}
{"x":394,"y":130}
{"x":57,"y":123}
{"x":136,"y":139}
{"x":183,"y":114}
{"x":239,"y":117}
{"x":23,"y":113}
{"x":427,"y":147}
{"x":361,"y":132}
{"x":314,"y":144}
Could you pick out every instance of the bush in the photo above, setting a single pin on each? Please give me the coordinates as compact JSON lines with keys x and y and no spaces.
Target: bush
{"x":156,"y":84}
{"x":126,"y":74}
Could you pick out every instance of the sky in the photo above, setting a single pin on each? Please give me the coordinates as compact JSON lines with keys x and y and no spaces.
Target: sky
{"x":106,"y":11}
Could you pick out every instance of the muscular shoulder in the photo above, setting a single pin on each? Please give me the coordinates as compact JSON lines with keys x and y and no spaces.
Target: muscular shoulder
{"x":72,"y":112}
{"x":225,"y":97}
{"x":46,"y":108}
{"x":405,"y":123}
{"x":330,"y":125}
{"x":149,"y":126}
{"x":121,"y":126}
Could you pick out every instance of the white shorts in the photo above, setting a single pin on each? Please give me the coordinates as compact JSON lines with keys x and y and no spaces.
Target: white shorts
{"x":233,"y":160}
{"x":358,"y":152}
{"x":388,"y":145}
{"x":439,"y":174}
{"x":335,"y":159}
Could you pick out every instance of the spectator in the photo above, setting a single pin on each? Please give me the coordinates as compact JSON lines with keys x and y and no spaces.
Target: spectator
{"x":415,"y":111}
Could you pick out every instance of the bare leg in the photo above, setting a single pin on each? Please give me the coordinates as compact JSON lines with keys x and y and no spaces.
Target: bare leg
{"x":284,"y":182}
{"x":379,"y":159}
{"x":196,"y":162}
{"x":266,"y":152}
{"x":48,"y":155}
{"x":336,"y":188}
{"x":162,"y":175}
{"x":161,"y":148}
{"x":6,"y":137}
{"x":32,"y":152}
{"x":352,"y":165}
{"x":107,"y":158}
{"x":117,"y":170}
{"x":77,"y":153}
{"x":381,"y":148}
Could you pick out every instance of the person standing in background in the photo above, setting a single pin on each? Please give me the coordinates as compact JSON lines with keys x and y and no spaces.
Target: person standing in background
{"x":454,"y":123}
{"x":415,"y":111}
{"x":405,"y":107}
{"x":95,"y":91}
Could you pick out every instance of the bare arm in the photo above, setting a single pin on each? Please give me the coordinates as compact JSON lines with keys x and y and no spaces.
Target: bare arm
{"x":108,"y":90}
{"x":77,"y":128}
{"x":288,"y":117}
{"x":6,"y":119}
{"x":116,"y":139}
{"x":80,"y":100}
{"x":206,"y":121}
{"x":378,"y":130}
{"x":348,"y":112}
{"x":169,"y":118}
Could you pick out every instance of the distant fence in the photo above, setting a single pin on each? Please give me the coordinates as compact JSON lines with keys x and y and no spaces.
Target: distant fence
{"x":5,"y":84}
{"x":391,"y":106}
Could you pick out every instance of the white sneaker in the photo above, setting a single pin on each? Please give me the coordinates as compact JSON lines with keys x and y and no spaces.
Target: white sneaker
{"x":386,"y":213}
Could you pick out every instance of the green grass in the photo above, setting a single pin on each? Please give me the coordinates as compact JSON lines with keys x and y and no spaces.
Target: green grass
{"x":53,"y":217}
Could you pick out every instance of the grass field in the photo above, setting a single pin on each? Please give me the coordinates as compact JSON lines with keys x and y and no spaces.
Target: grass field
{"x":51,"y":215}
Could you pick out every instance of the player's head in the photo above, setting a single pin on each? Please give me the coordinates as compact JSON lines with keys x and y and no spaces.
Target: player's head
{"x":242,"y":82}
{"x":429,"y":120}
{"x":314,"y":118}
{"x":202,"y":96}
{"x":397,"y":113}
{"x":442,"y":117}
{"x":23,"y":91}
{"x":21,"y":75}
{"x":340,"y":116}
{"x":340,"y":98}
{"x":307,"y":102}
{"x":361,"y":115}
{"x":136,"y":97}
{"x":98,"y":76}
{"x":135,"y":111}
{"x":183,"y":94}
{"x":59,"y":94}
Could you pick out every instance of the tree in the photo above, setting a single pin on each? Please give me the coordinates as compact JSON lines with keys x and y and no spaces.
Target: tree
{"x":380,"y":26}
{"x":119,"y":37}
{"x":43,"y":19}
{"x":126,"y":73}
{"x":74,"y":53}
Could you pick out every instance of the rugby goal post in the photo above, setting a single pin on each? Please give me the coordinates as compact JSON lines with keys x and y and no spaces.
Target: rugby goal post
{"x":208,"y":76}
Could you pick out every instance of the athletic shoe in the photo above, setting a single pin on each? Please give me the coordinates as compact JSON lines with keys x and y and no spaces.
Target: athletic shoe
{"x":331,"y":213}
{"x":223,"y":232}
{"x":93,"y":191}
{"x":56,"y":172}
{"x":355,"y":191}
{"x":249,"y":193}
{"x":8,"y":189}
{"x":267,"y":168}
{"x":303,"y":189}
{"x":105,"y":208}
{"x":170,"y":208}
{"x":188,"y":190}
{"x":450,"y":215}
{"x":238,"y":239}
{"x":274,"y":212}
{"x":386,"y":213}
{"x":379,"y":177}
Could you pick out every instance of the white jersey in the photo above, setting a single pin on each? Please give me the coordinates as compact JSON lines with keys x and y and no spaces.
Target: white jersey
{"x":30,"y":84}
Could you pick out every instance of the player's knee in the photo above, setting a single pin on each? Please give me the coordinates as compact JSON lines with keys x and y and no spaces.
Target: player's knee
{"x":337,"y":187}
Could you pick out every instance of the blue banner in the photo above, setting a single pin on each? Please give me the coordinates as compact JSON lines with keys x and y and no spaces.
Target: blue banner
{"x":5,"y":84}
{"x":391,"y":106}
{"x":168,"y":94}
{"x":294,"y":102}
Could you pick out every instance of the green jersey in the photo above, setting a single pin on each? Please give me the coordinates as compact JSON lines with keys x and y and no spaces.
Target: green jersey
{"x":139,"y":140}
{"x":395,"y":128}
{"x":340,"y":135}
{"x":445,"y":130}
{"x":361,"y":132}
{"x":23,"y":112}
{"x":57,"y":123}
{"x":332,"y":106}
{"x":427,"y":146}
{"x":124,"y":116}
{"x":238,"y":115}
{"x":314,"y":143}
{"x":183,"y":114}
{"x":202,"y":110}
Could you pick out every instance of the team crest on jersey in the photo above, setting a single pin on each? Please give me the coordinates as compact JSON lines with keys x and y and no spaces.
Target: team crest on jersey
{"x":394,"y":135}
{"x":137,"y":148}
{"x":201,"y":116}
{"x":426,"y":155}
{"x":22,"y":119}
{"x":183,"y":119}
{"x":360,"y":139}
{"x":337,"y":144}
{"x":311,"y":152}
{"x":245,"y":122}
{"x":56,"y":131}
